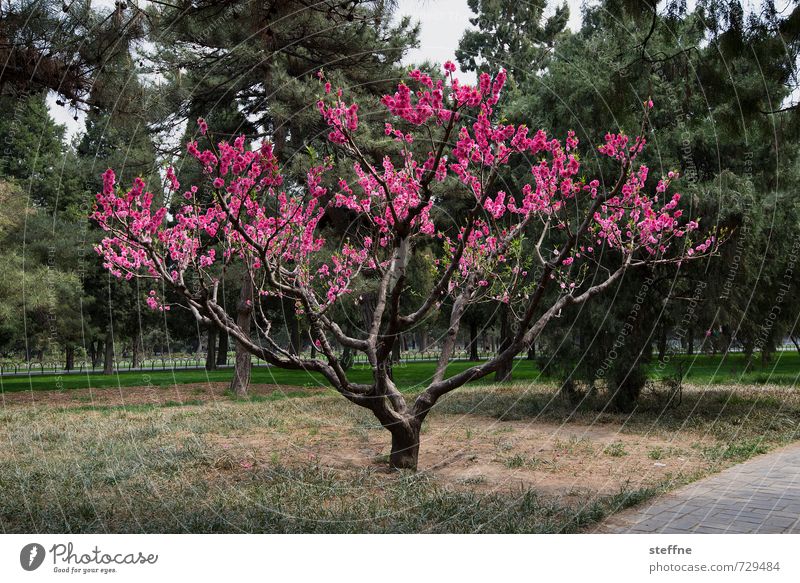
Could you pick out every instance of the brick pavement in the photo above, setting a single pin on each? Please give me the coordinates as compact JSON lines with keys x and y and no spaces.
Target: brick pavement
{"x":761,"y":495}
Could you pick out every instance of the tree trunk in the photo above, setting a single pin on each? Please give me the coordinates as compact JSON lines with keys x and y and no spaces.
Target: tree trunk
{"x":211,"y":349}
{"x":293,"y":328}
{"x":690,"y":342}
{"x":473,"y":341}
{"x":532,"y":351}
{"x":222,"y":352}
{"x":405,"y":446}
{"x":505,"y":371}
{"x":423,"y":340}
{"x":396,"y":350}
{"x":70,"y":357}
{"x":108,"y":357}
{"x":244,"y":311}
{"x":662,"y":343}
{"x":97,"y":349}
{"x":136,"y":353}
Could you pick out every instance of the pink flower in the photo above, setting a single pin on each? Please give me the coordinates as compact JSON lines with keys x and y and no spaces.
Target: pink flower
{"x":253,"y":219}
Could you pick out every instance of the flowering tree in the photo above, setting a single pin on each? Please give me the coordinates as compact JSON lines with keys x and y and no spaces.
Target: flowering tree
{"x":533,"y":248}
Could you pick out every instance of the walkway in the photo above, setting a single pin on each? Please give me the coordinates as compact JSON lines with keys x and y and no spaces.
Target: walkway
{"x":759,"y":496}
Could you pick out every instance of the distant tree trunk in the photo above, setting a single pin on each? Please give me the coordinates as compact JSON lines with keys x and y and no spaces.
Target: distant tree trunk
{"x":766,"y":355}
{"x":397,"y":349}
{"x":70,"y":357}
{"x":532,"y":351}
{"x":136,"y":352}
{"x":662,"y":343}
{"x":292,"y":326}
{"x":96,"y":350}
{"x":690,"y":341}
{"x":222,"y":352}
{"x":244,"y":311}
{"x":108,"y":357}
{"x":796,"y":341}
{"x":211,"y":349}
{"x":505,"y":372}
{"x":473,"y":340}
{"x":423,"y":340}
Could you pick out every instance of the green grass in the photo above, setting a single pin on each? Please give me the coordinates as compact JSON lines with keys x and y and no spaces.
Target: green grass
{"x":702,"y":369}
{"x":232,"y":465}
{"x":706,"y":369}
{"x":616,"y":449}
{"x":163,"y":470}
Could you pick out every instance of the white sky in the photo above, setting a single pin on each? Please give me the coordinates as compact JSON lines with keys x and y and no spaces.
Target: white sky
{"x":444,"y":21}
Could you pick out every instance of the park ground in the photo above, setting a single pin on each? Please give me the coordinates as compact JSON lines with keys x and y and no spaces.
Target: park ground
{"x":174,"y":452}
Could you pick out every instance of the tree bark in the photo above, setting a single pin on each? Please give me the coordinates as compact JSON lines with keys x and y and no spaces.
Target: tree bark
{"x":222,"y":352}
{"x":423,"y":340}
{"x":396,"y":350}
{"x":136,"y":352}
{"x":662,"y":343}
{"x":292,"y":327}
{"x":244,"y":312}
{"x":505,"y":370}
{"x":108,"y":357}
{"x":405,"y":446}
{"x":70,"y":357}
{"x":97,"y":349}
{"x":211,"y":349}
{"x":473,"y":341}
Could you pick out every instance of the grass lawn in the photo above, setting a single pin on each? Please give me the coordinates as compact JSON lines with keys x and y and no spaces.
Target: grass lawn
{"x":510,"y":458}
{"x":699,"y":369}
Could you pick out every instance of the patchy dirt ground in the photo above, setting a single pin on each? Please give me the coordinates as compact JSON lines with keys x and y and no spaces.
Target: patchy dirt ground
{"x":467,"y":444}
{"x":483,"y":454}
{"x":189,"y":393}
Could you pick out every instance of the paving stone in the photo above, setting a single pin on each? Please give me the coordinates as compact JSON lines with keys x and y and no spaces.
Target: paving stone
{"x":760,"y":495}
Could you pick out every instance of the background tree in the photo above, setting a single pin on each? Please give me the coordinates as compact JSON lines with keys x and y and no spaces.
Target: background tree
{"x":259,"y":58}
{"x":705,"y":69}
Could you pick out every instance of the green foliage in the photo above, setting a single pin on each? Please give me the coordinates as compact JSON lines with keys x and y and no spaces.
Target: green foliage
{"x":512,"y":35}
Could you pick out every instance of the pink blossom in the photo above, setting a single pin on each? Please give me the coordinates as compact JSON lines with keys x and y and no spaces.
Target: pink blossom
{"x":248,"y":216}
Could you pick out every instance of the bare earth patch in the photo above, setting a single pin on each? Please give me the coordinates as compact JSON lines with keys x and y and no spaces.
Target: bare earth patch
{"x":143,"y":395}
{"x":483,"y":454}
{"x":486,"y":443}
